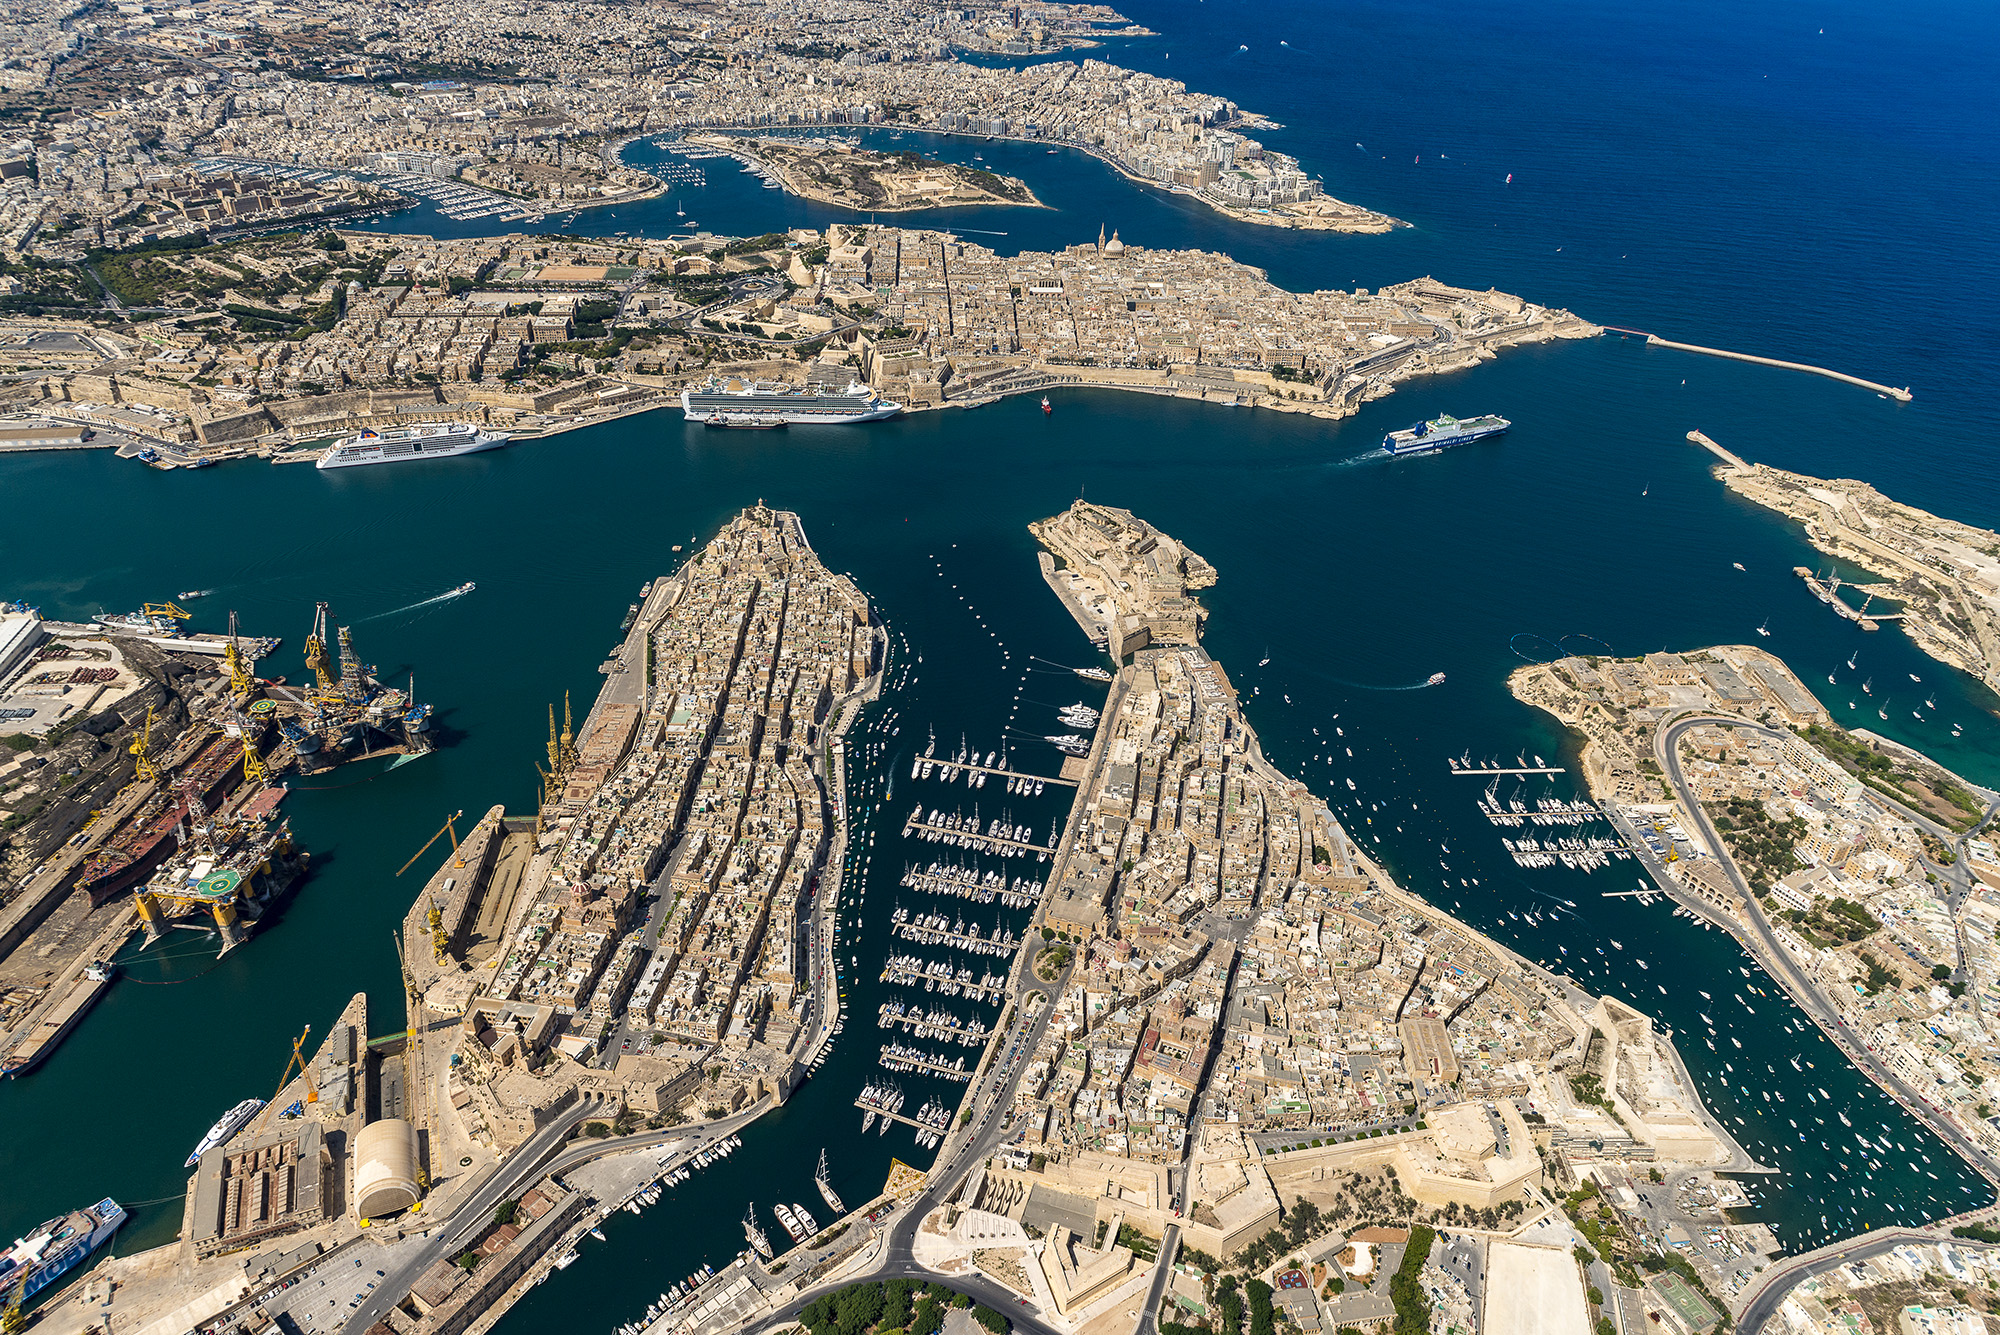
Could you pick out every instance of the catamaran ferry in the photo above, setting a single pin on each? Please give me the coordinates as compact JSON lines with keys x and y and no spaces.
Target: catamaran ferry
{"x":431,"y":440}
{"x":724,"y":402}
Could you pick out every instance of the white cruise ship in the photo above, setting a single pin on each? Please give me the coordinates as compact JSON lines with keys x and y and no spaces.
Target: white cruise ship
{"x":431,"y":440}
{"x":736,"y":402}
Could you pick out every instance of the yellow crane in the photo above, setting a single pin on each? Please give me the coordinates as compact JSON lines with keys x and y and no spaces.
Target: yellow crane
{"x":142,"y":764}
{"x":242,"y":681}
{"x":11,"y":1320}
{"x":316,"y":658}
{"x":299,"y":1062}
{"x":444,"y":829}
{"x":246,"y":732}
{"x":174,"y":610}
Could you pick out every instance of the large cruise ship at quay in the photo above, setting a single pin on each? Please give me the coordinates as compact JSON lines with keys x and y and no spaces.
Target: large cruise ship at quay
{"x":431,"y":440}
{"x":736,"y":402}
{"x":1442,"y":433}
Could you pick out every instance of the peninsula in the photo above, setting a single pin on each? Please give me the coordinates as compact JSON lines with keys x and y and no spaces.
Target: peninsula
{"x":644,"y":952}
{"x":835,"y":171}
{"x":533,"y":335}
{"x":1844,"y":862}
{"x":1250,"y":1058}
{"x":1941,"y":575}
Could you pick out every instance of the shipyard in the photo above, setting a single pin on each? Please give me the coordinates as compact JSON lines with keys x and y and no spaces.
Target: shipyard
{"x":144,"y":787}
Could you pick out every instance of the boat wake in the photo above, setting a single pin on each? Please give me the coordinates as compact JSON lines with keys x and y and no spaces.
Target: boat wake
{"x":444,"y":597}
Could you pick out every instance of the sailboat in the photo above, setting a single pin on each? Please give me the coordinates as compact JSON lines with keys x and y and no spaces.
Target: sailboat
{"x":754,"y":1234}
{"x":1850,"y":659}
{"x":1868,"y":687}
{"x":1765,"y":629}
{"x":679,"y":212}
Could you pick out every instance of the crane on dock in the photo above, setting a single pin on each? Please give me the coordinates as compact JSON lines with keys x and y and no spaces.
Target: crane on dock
{"x":142,"y":763}
{"x":11,"y":1319}
{"x":242,"y":682}
{"x":246,"y":732}
{"x":443,"y":830}
{"x":316,"y":658}
{"x":303,"y":1067}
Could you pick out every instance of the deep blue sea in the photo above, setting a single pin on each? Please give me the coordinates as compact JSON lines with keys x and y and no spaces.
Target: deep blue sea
{"x":1816,"y":183}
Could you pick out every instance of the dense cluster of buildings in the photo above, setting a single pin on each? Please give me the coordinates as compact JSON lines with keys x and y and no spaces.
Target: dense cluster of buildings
{"x":532,"y":103}
{"x":679,"y":843}
{"x":1187,"y":322}
{"x":1252,"y":998}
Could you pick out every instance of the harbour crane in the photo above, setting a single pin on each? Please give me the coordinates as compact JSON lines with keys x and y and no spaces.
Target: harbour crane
{"x":253,"y":764}
{"x":299,"y":1063}
{"x":443,"y":830}
{"x":440,"y":942}
{"x":142,"y":764}
{"x":316,"y":658}
{"x":172,"y":610}
{"x":242,"y":681}
{"x":12,"y":1321}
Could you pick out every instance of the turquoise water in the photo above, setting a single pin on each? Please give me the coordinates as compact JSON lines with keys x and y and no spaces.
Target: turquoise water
{"x":1818,"y":213}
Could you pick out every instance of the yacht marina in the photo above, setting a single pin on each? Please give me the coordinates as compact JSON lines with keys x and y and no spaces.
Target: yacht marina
{"x":931,"y":929}
{"x":905,"y":1060}
{"x":950,"y":878}
{"x":932,"y":1024}
{"x":941,"y":978}
{"x":1000,"y":838}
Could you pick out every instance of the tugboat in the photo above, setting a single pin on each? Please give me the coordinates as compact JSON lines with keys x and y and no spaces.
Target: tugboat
{"x":1047,"y":407}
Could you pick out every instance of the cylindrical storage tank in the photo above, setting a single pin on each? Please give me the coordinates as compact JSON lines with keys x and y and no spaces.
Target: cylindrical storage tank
{"x":385,"y":1168}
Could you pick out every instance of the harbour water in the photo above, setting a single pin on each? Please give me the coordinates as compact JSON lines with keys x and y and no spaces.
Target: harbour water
{"x":1766,"y":227}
